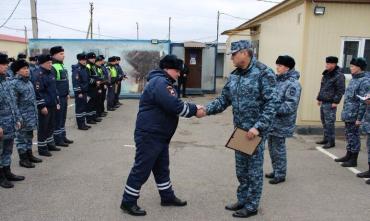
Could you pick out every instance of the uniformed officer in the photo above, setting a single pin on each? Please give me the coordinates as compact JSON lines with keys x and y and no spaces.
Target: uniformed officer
{"x":9,"y":72}
{"x":91,"y":115}
{"x":331,"y":92}
{"x":47,"y":103}
{"x":10,"y":121}
{"x":33,"y":67}
{"x":111,"y":67}
{"x":120,"y":76}
{"x":288,"y":90}
{"x":250,"y":90}
{"x":366,"y":128}
{"x":105,"y":81}
{"x":99,"y":65}
{"x":62,"y":84}
{"x":156,"y":123}
{"x":80,"y":81}
{"x":353,"y":112}
{"x":26,"y":103}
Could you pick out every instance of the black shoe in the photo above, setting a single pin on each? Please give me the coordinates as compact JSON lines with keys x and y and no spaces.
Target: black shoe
{"x":32,"y":158}
{"x":111,"y":109}
{"x":368,"y":182}
{"x":91,"y":122}
{"x":10,"y":176}
{"x":61,"y":144}
{"x":87,"y":126}
{"x":119,"y":103}
{"x":277,"y":180}
{"x":329,"y":145}
{"x":104,"y":114}
{"x":322,"y":142}
{"x":68,"y":141}
{"x":134,"y":210}
{"x":83,"y":128}
{"x":52,"y":147}
{"x":97,"y":119}
{"x":270,"y":175}
{"x":352,"y":162}
{"x":244,"y":213}
{"x":345,"y":158}
{"x":365,"y":174}
{"x":24,"y":161}
{"x":234,"y":206}
{"x":4,"y":183}
{"x":117,"y":106}
{"x":45,"y":153}
{"x":174,"y":202}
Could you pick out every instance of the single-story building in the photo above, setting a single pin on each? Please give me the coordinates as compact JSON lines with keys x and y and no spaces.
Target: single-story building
{"x":309,"y":31}
{"x":12,"y":45}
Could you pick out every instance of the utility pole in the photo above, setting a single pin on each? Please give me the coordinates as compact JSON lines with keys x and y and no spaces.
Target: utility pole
{"x":35,"y":28}
{"x":169,"y":28}
{"x":91,"y":19}
{"x":218,"y":27}
{"x":137,"y":30}
{"x":99,"y":30}
{"x":26,"y":39}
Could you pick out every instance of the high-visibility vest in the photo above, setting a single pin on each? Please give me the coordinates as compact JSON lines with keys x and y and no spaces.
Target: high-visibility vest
{"x":112,"y":71}
{"x":58,"y":68}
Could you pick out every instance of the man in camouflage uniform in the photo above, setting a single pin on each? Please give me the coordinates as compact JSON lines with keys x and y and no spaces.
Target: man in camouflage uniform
{"x":250,"y":90}
{"x":288,"y":92}
{"x":26,"y":102}
{"x":331,"y":92}
{"x":353,"y":112}
{"x":9,"y":121}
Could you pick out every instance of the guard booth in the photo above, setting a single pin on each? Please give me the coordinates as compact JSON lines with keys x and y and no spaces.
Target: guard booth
{"x":200,"y":59}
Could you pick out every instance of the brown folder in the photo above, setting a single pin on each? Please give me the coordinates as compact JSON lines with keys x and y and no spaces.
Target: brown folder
{"x":239,"y":141}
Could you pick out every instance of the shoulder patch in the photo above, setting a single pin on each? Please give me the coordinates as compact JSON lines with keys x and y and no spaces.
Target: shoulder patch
{"x":171,"y":90}
{"x":292,"y":91}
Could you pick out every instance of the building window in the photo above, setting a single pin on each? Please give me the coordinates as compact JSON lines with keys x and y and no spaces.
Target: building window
{"x":354,"y":48}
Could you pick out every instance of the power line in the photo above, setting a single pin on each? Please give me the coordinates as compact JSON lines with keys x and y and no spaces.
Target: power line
{"x":236,"y":17}
{"x":15,"y":29}
{"x":11,"y":14}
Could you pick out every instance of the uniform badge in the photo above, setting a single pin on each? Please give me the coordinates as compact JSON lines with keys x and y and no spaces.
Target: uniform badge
{"x":37,"y":85}
{"x":292,"y":91}
{"x":171,"y":90}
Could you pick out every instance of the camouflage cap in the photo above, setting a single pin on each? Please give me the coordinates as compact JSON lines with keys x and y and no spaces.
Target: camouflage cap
{"x":239,"y":45}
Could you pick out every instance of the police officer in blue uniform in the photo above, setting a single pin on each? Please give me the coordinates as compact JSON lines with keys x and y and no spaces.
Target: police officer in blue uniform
{"x":112,"y":71}
{"x":33,"y":67}
{"x":62,"y":83}
{"x":94,"y":82}
{"x":353,"y":110}
{"x":26,"y":103}
{"x":80,"y":81}
{"x":120,"y":77}
{"x":101,"y":76}
{"x":156,"y":123}
{"x":47,"y":103}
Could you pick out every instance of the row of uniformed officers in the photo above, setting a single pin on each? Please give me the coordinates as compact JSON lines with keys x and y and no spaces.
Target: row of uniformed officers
{"x":34,"y":96}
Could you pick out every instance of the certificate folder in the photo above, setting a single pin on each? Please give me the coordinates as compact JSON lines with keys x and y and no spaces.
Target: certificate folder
{"x":239,"y":141}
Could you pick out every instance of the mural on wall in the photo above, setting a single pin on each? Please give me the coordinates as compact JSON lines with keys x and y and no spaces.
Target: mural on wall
{"x":138,"y":57}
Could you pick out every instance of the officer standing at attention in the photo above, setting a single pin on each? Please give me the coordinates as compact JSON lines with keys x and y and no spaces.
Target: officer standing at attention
{"x":331,"y":92}
{"x":111,"y":67}
{"x":99,"y":63}
{"x":156,"y":123}
{"x":10,"y":121}
{"x":80,"y":81}
{"x":250,"y":90}
{"x":120,"y":76}
{"x":47,"y":103}
{"x":366,"y":128}
{"x":94,"y":83}
{"x":62,"y":83}
{"x":353,"y":112}
{"x":26,"y":103}
{"x":288,"y":92}
{"x":33,"y":67}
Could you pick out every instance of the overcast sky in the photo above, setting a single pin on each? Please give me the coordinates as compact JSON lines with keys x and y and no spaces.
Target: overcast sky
{"x":191,"y":19}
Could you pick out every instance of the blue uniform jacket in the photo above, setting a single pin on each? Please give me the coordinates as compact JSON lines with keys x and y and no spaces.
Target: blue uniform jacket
{"x":9,"y":113}
{"x":80,"y":79}
{"x":26,"y":102}
{"x":62,"y":84}
{"x":45,"y":89}
{"x":288,"y":92}
{"x":160,"y":108}
{"x":251,"y":93}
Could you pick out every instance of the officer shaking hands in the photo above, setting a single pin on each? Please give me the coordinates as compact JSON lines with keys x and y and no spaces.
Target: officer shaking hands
{"x":156,"y":123}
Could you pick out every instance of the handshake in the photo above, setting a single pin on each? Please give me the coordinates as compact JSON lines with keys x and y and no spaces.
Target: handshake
{"x":201,"y":111}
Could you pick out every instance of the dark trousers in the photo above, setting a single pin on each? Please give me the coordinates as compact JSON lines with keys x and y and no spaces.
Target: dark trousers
{"x":182,"y":87}
{"x":46,"y":129}
{"x":60,"y":120}
{"x":104,"y":98}
{"x":151,"y":156}
{"x":328,"y":118}
{"x":91,"y":105}
{"x":118,"y":92}
{"x":6,"y":145}
{"x":352,"y":133}
{"x":99,"y":102}
{"x":80,"y":109}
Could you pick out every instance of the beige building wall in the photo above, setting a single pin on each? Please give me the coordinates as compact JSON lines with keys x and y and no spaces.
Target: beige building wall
{"x":228,"y":65}
{"x":12,"y":48}
{"x":323,"y":37}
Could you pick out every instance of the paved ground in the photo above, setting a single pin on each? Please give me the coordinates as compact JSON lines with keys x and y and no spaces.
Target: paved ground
{"x":85,"y":180}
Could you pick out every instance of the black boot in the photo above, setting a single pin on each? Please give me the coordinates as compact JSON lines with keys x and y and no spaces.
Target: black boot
{"x":87,"y":126}
{"x":68,"y":141}
{"x":323,"y":141}
{"x":329,"y":145}
{"x":32,"y":158}
{"x":133,"y":209}
{"x":345,"y":158}
{"x":352,"y":162}
{"x":24,"y":161}
{"x":367,"y":181}
{"x":277,"y":180}
{"x":61,"y":144}
{"x":244,"y":213}
{"x":83,"y":128}
{"x":91,"y":122}
{"x":10,"y":176}
{"x":98,"y":119}
{"x":52,"y":147}
{"x":365,"y":174}
{"x":234,"y":206}
{"x":173,"y":202}
{"x":5,"y":183}
{"x":270,"y":175}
